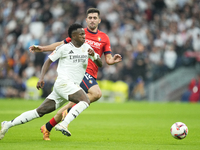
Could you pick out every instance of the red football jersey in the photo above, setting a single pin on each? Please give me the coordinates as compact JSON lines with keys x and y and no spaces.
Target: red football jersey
{"x":100,"y":42}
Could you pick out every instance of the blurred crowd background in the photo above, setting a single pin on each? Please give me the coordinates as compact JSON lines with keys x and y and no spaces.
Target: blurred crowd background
{"x":154,"y":37}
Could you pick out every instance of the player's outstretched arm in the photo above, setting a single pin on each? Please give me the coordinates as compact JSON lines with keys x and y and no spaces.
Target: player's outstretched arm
{"x":51,"y":47}
{"x":113,"y":60}
{"x":45,"y":67}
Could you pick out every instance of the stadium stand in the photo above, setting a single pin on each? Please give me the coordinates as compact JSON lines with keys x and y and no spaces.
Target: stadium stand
{"x":154,"y":37}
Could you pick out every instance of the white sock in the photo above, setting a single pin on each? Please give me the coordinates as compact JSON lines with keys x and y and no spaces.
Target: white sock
{"x":74,"y":112}
{"x":24,"y":117}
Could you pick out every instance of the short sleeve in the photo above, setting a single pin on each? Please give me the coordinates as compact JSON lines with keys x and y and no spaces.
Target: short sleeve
{"x":57,"y":53}
{"x":107,"y":48}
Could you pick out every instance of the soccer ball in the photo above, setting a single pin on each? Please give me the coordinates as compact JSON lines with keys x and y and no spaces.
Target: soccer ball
{"x":179,"y":130}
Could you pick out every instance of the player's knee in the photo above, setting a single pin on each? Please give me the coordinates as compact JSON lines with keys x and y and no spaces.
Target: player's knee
{"x":88,"y":101}
{"x":40,"y":112}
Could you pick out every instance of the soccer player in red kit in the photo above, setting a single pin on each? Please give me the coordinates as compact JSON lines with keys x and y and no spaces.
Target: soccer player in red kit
{"x":100,"y":42}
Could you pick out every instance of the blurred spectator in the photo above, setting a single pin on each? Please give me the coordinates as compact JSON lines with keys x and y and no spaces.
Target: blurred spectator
{"x":193,"y":92}
{"x":156,"y":63}
{"x":196,"y":43}
{"x":46,"y":14}
{"x":140,"y":60}
{"x":170,"y":57}
{"x":139,"y":92}
{"x":58,"y":26}
{"x":36,"y":29}
{"x":56,"y":9}
{"x":24,"y":38}
{"x":30,"y":70}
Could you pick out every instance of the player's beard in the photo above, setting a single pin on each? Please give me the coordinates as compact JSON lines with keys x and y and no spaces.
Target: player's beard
{"x":93,"y":27}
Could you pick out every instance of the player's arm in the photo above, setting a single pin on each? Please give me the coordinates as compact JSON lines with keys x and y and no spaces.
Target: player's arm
{"x":46,"y":48}
{"x":45,"y":67}
{"x":95,"y":57}
{"x":98,"y":61}
{"x":110,"y":60}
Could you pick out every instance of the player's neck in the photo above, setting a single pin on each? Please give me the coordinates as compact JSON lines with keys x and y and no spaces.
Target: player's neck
{"x":76,"y":44}
{"x":92,"y":30}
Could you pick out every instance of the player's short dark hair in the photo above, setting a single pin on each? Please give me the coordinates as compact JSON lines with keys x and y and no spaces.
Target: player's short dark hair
{"x":93,"y":10}
{"x":73,"y":27}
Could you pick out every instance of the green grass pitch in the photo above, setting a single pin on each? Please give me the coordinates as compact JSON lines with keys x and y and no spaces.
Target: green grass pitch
{"x":106,"y":126}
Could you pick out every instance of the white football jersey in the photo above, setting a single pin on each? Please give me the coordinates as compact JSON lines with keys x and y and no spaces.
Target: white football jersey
{"x":72,"y":61}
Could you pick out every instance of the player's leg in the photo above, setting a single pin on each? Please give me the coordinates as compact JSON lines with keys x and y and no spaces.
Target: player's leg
{"x":58,"y":116}
{"x":46,"y":128}
{"x":94,"y":93}
{"x":46,"y":107}
{"x":91,"y":87}
{"x":82,"y":101}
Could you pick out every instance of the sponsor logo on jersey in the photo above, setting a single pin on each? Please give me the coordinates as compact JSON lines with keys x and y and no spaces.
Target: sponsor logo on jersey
{"x":99,"y":39}
{"x":93,"y":43}
{"x":71,"y":52}
{"x":79,"y":58}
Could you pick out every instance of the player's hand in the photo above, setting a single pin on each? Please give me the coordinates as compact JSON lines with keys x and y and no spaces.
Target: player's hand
{"x":91,"y":52}
{"x":117,"y":58}
{"x":40,"y":84}
{"x":35,"y":48}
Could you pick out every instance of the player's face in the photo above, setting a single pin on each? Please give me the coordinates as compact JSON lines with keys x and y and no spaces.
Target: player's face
{"x":80,"y":36}
{"x":93,"y":21}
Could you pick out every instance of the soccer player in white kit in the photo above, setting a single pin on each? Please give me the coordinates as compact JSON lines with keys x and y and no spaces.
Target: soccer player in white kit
{"x":73,"y":59}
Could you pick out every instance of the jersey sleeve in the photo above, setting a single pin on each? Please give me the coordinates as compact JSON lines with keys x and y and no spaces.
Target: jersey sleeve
{"x":107,"y":48}
{"x":67,"y":40}
{"x":57,"y":53}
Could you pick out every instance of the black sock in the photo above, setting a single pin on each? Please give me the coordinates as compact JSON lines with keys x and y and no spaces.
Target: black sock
{"x":69,"y":110}
{"x":49,"y":126}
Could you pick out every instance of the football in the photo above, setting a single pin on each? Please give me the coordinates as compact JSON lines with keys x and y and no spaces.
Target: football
{"x":179,"y":130}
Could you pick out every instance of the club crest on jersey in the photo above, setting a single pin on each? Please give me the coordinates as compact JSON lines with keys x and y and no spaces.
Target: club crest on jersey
{"x":99,"y":39}
{"x":83,"y":50}
{"x":90,"y":81}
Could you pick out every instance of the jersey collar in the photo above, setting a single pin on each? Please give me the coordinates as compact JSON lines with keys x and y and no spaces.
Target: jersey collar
{"x":71,"y":44}
{"x":92,"y":32}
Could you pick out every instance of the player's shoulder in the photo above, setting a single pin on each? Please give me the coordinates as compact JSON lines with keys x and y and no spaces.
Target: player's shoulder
{"x":102,"y":34}
{"x":63,"y":47}
{"x":97,"y":33}
{"x":86,"y":45}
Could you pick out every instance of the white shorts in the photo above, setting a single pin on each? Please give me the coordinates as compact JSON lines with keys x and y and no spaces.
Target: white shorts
{"x":61,"y":92}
